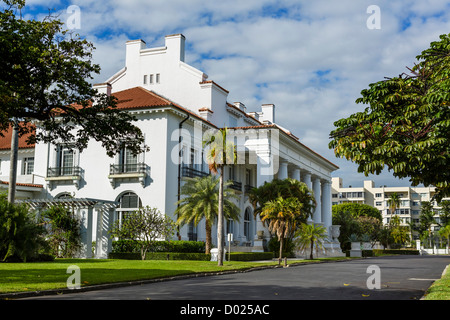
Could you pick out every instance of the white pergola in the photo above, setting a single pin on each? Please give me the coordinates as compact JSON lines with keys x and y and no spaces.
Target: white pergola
{"x":96,"y":217}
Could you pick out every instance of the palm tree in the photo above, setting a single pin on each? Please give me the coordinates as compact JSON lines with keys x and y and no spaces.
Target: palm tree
{"x":310,"y":235}
{"x":201,"y":201}
{"x":221,"y":152}
{"x":281,"y":215}
{"x":393,"y":202}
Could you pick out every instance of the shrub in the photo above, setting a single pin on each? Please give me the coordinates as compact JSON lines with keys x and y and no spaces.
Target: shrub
{"x":64,"y":231}
{"x":160,"y":246}
{"x":21,"y":238}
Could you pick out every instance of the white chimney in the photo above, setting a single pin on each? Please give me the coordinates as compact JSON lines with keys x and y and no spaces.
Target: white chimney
{"x":240,"y":105}
{"x":268,"y":113}
{"x":103,"y":88}
{"x":175,"y":46}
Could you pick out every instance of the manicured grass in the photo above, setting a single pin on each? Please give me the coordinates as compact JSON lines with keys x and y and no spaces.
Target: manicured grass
{"x":440,"y":290}
{"x":38,"y":276}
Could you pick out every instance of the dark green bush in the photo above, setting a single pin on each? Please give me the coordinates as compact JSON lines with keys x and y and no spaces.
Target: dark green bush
{"x":250,"y":256}
{"x":21,"y":238}
{"x":161,"y":256}
{"x":160,"y":246}
{"x":288,"y":246}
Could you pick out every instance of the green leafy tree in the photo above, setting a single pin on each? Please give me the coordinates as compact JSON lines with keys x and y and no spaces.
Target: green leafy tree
{"x":201,"y":201}
{"x":406,"y":124}
{"x":45,"y":91}
{"x":63,"y":229}
{"x":399,"y":233}
{"x":357,"y":210}
{"x":21,"y":238}
{"x":426,"y":219}
{"x":281,"y":217}
{"x":444,"y":213}
{"x":143,"y":227}
{"x":285,"y":188}
{"x":310,"y":236}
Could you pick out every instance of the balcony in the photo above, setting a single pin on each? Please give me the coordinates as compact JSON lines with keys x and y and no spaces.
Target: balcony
{"x":64,"y":174}
{"x":127,"y":172}
{"x":235,"y":185}
{"x":189,"y":172}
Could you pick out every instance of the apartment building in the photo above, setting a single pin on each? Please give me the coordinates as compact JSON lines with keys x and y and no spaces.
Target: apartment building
{"x":411,"y":199}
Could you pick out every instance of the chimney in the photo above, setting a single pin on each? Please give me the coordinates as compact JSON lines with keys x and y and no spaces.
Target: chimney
{"x":240,"y":105}
{"x":103,"y":88}
{"x":133,"y":51}
{"x":268,"y":113}
{"x":175,"y":46}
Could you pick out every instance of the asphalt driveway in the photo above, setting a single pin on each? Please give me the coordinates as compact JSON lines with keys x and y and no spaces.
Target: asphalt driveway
{"x":388,"y":278}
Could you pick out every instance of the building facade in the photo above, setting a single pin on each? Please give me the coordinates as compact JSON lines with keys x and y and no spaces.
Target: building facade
{"x":411,"y":199}
{"x":175,"y":106}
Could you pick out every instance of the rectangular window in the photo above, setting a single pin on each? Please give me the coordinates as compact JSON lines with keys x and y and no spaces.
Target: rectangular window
{"x":157,"y":78}
{"x":151,"y":79}
{"x":128,"y":161}
{"x":28,"y":165}
{"x":145,"y":79}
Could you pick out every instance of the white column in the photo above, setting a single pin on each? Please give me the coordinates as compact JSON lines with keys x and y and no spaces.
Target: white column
{"x":326,"y":205}
{"x":283,"y":171}
{"x":86,"y":232}
{"x":308,"y":181}
{"x":296,"y":174}
{"x":264,"y":173}
{"x":318,"y":212}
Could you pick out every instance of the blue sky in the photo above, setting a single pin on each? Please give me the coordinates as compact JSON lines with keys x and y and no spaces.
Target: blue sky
{"x":309,"y":58}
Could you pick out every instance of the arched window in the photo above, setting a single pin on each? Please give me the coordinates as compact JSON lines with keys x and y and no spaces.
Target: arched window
{"x":247,"y":223}
{"x":128,"y":202}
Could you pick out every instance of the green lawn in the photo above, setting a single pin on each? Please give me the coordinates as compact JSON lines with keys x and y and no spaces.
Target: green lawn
{"x":440,"y":290}
{"x":38,"y":276}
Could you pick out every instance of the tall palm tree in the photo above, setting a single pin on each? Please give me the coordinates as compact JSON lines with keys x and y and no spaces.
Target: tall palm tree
{"x":393,"y":202}
{"x":201,"y":202}
{"x":310,"y":235}
{"x":221,"y":152}
{"x":282,"y":216}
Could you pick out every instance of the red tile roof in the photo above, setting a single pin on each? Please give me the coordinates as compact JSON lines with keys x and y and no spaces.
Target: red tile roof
{"x":24,"y":184}
{"x":5,"y":140}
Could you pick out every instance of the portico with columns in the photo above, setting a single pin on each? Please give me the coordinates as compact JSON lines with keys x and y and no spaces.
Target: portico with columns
{"x":284,"y":156}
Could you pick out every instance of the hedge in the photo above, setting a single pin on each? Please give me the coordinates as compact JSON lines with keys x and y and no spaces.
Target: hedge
{"x":235,"y":256}
{"x":395,"y":251}
{"x":160,"y":256}
{"x":160,"y":246}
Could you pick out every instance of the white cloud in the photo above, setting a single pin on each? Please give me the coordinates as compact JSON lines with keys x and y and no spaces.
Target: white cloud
{"x":310,"y":58}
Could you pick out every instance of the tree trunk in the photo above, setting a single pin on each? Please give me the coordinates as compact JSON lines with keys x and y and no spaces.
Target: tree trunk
{"x":13,"y":164}
{"x":220,"y":221}
{"x":208,"y":236}
{"x":281,"y":251}
{"x":312,"y":249}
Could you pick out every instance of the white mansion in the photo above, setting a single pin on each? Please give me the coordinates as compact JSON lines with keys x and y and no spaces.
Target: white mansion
{"x":174,"y":104}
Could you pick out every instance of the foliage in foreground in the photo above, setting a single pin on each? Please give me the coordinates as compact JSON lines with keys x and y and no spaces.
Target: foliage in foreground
{"x":21,"y":239}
